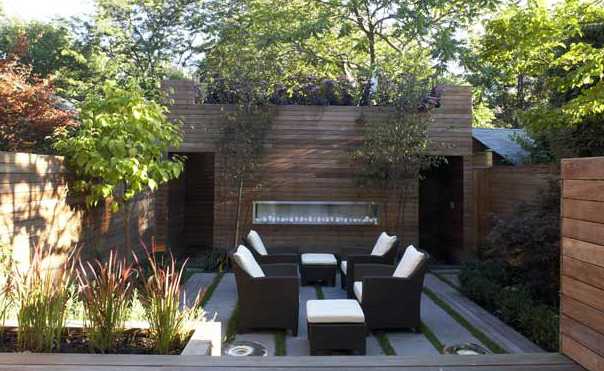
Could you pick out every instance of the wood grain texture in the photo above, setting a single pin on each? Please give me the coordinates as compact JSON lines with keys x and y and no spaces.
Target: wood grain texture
{"x":307,"y":158}
{"x":582,"y":285}
{"x":503,"y":362}
{"x":36,"y":209}
{"x":498,"y":190}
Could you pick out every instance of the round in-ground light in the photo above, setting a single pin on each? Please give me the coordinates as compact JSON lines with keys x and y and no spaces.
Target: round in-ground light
{"x":245,"y":349}
{"x":468,"y":349}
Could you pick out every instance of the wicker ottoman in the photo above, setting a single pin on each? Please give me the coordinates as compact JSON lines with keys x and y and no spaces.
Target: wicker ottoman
{"x":318,"y":268}
{"x":335,"y":325}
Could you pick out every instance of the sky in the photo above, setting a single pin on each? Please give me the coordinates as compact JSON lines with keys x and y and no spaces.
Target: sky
{"x":43,"y":10}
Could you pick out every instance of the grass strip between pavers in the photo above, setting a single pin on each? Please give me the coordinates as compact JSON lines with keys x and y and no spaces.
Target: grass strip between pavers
{"x":385,"y":343}
{"x":210,"y":290}
{"x":429,"y":334}
{"x":319,"y":292}
{"x":478,"y":334}
{"x":445,"y":280}
{"x":280,"y":345}
{"x":231,"y":330}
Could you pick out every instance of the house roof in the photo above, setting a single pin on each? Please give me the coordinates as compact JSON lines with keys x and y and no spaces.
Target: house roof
{"x":502,"y":141}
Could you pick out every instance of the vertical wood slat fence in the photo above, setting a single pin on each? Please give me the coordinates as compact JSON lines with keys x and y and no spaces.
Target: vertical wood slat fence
{"x":582,"y":285}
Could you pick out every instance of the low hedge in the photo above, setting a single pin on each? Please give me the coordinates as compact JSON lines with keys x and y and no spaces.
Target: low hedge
{"x":488,"y":285}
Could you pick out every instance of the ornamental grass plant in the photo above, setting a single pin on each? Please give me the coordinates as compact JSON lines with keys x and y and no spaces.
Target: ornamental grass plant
{"x":106,"y":289}
{"x":169,"y":318}
{"x":42,"y":292}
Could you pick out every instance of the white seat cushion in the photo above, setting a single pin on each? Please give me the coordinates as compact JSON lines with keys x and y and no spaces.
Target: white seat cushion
{"x":344,"y":266}
{"x":383,"y":244}
{"x":409,"y":263}
{"x":254,"y":239}
{"x":319,"y":259}
{"x":247,"y":262}
{"x":357,"y":288}
{"x":334,"y":311}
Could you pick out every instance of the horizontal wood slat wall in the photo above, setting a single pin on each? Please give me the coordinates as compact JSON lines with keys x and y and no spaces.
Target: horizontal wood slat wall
{"x":36,"y":209}
{"x":582,"y":285}
{"x":308,"y":158}
{"x":498,"y":190}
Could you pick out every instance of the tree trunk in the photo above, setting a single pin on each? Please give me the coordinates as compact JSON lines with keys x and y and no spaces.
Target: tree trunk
{"x":238,"y":214}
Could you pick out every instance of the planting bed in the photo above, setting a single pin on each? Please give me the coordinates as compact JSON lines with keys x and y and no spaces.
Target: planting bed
{"x":131,"y":341}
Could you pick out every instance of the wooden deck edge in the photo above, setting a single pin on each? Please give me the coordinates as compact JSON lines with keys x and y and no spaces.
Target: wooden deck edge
{"x":123,"y":360}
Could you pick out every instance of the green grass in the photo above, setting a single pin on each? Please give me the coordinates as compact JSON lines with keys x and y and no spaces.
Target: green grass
{"x":478,"y":334}
{"x":385,"y":344}
{"x":280,"y":346}
{"x":429,"y":334}
{"x":319,"y":292}
{"x":231,"y":330}
{"x":445,"y":280}
{"x":210,"y":290}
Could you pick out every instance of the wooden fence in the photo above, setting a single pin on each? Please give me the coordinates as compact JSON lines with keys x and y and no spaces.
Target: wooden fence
{"x":582,"y":285}
{"x":36,"y":209}
{"x":498,"y":190}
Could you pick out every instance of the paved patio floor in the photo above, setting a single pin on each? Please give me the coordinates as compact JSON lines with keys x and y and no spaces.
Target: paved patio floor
{"x":435,"y":317}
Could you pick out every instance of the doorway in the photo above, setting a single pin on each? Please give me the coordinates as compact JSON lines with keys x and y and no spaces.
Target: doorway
{"x":191,"y":206}
{"x":441,"y":211}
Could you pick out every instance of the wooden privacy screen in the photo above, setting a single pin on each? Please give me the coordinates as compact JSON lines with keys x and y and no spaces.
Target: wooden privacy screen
{"x":308,"y":159}
{"x":36,"y":210}
{"x":498,"y":190}
{"x":582,"y":286}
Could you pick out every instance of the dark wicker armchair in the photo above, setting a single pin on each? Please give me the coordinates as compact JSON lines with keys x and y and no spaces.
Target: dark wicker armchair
{"x":390,"y":302}
{"x":269,"y":302}
{"x":349,"y":257}
{"x":273,"y":255}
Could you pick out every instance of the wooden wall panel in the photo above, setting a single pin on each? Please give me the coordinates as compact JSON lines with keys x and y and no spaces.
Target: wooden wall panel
{"x":582,"y":281}
{"x":498,"y":190}
{"x":36,"y":209}
{"x":308,"y":158}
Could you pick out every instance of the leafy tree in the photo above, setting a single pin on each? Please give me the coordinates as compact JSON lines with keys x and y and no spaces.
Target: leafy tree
{"x":362,"y":40}
{"x":147,"y":37}
{"x":243,"y":139}
{"x":120,"y":148}
{"x":30,"y":112}
{"x":539,"y":68}
{"x":396,"y":149}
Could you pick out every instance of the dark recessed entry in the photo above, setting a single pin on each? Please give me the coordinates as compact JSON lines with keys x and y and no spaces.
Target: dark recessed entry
{"x":191,"y":206}
{"x":441,"y":211}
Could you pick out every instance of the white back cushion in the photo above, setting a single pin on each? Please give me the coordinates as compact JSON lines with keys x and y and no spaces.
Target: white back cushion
{"x":383,"y":245}
{"x":246,"y":261}
{"x":254,"y":239}
{"x":409,"y":263}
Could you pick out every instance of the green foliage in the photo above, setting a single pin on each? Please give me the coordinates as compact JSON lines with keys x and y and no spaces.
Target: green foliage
{"x":106,"y":289}
{"x":169,"y":318}
{"x":360,"y":40}
{"x":396,"y":149}
{"x":42,"y":292}
{"x":540,"y":68}
{"x":497,"y":289}
{"x":529,"y":240}
{"x":121,"y":147}
{"x":146,"y":37}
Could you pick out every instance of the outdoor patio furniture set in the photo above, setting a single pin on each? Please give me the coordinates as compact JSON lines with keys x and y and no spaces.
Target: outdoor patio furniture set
{"x":382,"y":295}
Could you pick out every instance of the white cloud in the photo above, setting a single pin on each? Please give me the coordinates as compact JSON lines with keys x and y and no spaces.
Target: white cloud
{"x":43,"y":10}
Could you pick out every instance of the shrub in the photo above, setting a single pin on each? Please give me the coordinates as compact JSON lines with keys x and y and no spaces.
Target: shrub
{"x":42,"y":293}
{"x":120,"y":148}
{"x":106,"y":290}
{"x":29,"y":113}
{"x":528,"y":242}
{"x":160,"y":296}
{"x":496,"y":287}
